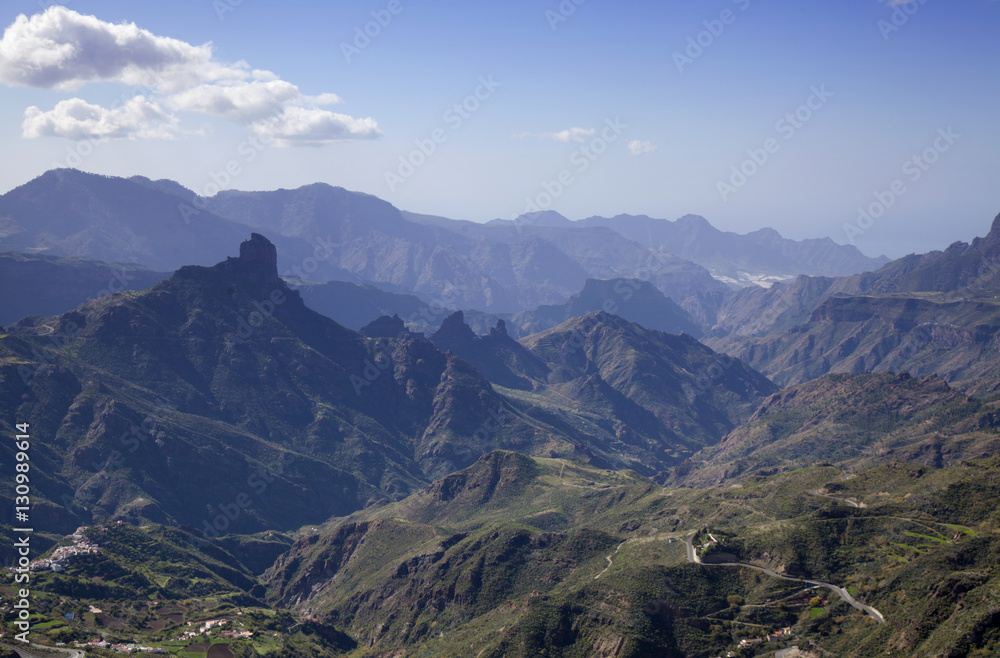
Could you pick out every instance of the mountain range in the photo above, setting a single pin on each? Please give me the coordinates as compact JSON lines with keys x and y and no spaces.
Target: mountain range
{"x":325,"y":233}
{"x":145,"y":394}
{"x":760,"y":257}
{"x":376,"y":433}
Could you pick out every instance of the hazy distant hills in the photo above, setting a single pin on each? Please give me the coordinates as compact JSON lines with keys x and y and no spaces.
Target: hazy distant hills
{"x":326,"y":233}
{"x":535,"y":272}
{"x":357,"y":257}
{"x":760,"y":256}
{"x":354,"y":305}
{"x":633,"y":299}
{"x":66,"y":212}
{"x":936,"y":313}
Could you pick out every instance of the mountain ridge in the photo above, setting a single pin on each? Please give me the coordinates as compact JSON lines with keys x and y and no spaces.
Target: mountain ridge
{"x":327,"y":233}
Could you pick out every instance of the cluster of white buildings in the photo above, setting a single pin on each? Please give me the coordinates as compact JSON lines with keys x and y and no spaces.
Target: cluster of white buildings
{"x":63,"y":555}
{"x":205,"y":627}
{"x":98,"y":643}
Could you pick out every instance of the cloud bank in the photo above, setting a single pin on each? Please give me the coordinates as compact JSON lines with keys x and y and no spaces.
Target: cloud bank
{"x":64,"y":50}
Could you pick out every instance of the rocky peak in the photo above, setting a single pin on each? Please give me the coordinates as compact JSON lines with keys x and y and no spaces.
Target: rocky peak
{"x":259,"y":249}
{"x":259,"y":259}
{"x":453,"y":330}
{"x":995,"y":229}
{"x":385,"y":327}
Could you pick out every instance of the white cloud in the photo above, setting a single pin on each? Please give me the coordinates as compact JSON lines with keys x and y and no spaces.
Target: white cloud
{"x":241,"y":102}
{"x":300,"y":126}
{"x":62,"y":49}
{"x":565,"y":136}
{"x":640,"y":147}
{"x":77,"y":119}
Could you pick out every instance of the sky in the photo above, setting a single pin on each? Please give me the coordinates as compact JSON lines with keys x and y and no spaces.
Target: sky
{"x":873,"y":122}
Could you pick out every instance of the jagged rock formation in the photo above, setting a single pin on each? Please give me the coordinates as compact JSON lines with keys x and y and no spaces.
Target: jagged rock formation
{"x":260,"y":259}
{"x":385,"y":327}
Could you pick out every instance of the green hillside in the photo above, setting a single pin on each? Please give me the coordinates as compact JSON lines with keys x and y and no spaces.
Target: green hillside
{"x":517,"y":556}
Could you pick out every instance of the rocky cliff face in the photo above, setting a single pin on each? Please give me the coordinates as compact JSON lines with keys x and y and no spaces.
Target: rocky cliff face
{"x":259,"y":258}
{"x":931,"y":334}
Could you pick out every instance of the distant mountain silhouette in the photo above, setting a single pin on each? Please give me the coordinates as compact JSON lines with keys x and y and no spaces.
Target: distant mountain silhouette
{"x":633,"y":299}
{"x":66,"y":212}
{"x":742,"y":259}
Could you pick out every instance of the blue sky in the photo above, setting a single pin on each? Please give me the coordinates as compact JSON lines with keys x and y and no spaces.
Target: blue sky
{"x":886,"y":84}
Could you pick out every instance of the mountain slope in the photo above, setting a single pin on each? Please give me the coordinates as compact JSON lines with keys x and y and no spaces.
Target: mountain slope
{"x":628,"y":397}
{"x":47,"y":285}
{"x":957,"y":340}
{"x":156,"y":586}
{"x":500,"y":358}
{"x":65,"y":212}
{"x":663,"y":395}
{"x":930,"y":314}
{"x":449,"y":568}
{"x":143,"y":397}
{"x":854,"y":422}
{"x":146,"y":398}
{"x":527,"y":557}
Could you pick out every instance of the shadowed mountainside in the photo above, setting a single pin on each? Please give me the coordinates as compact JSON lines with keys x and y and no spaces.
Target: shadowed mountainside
{"x":854,"y":422}
{"x":145,"y":398}
{"x":49,"y":285}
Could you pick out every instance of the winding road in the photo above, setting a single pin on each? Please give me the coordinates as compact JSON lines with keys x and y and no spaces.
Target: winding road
{"x":846,"y":501}
{"x":608,"y":558}
{"x":839,"y":591}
